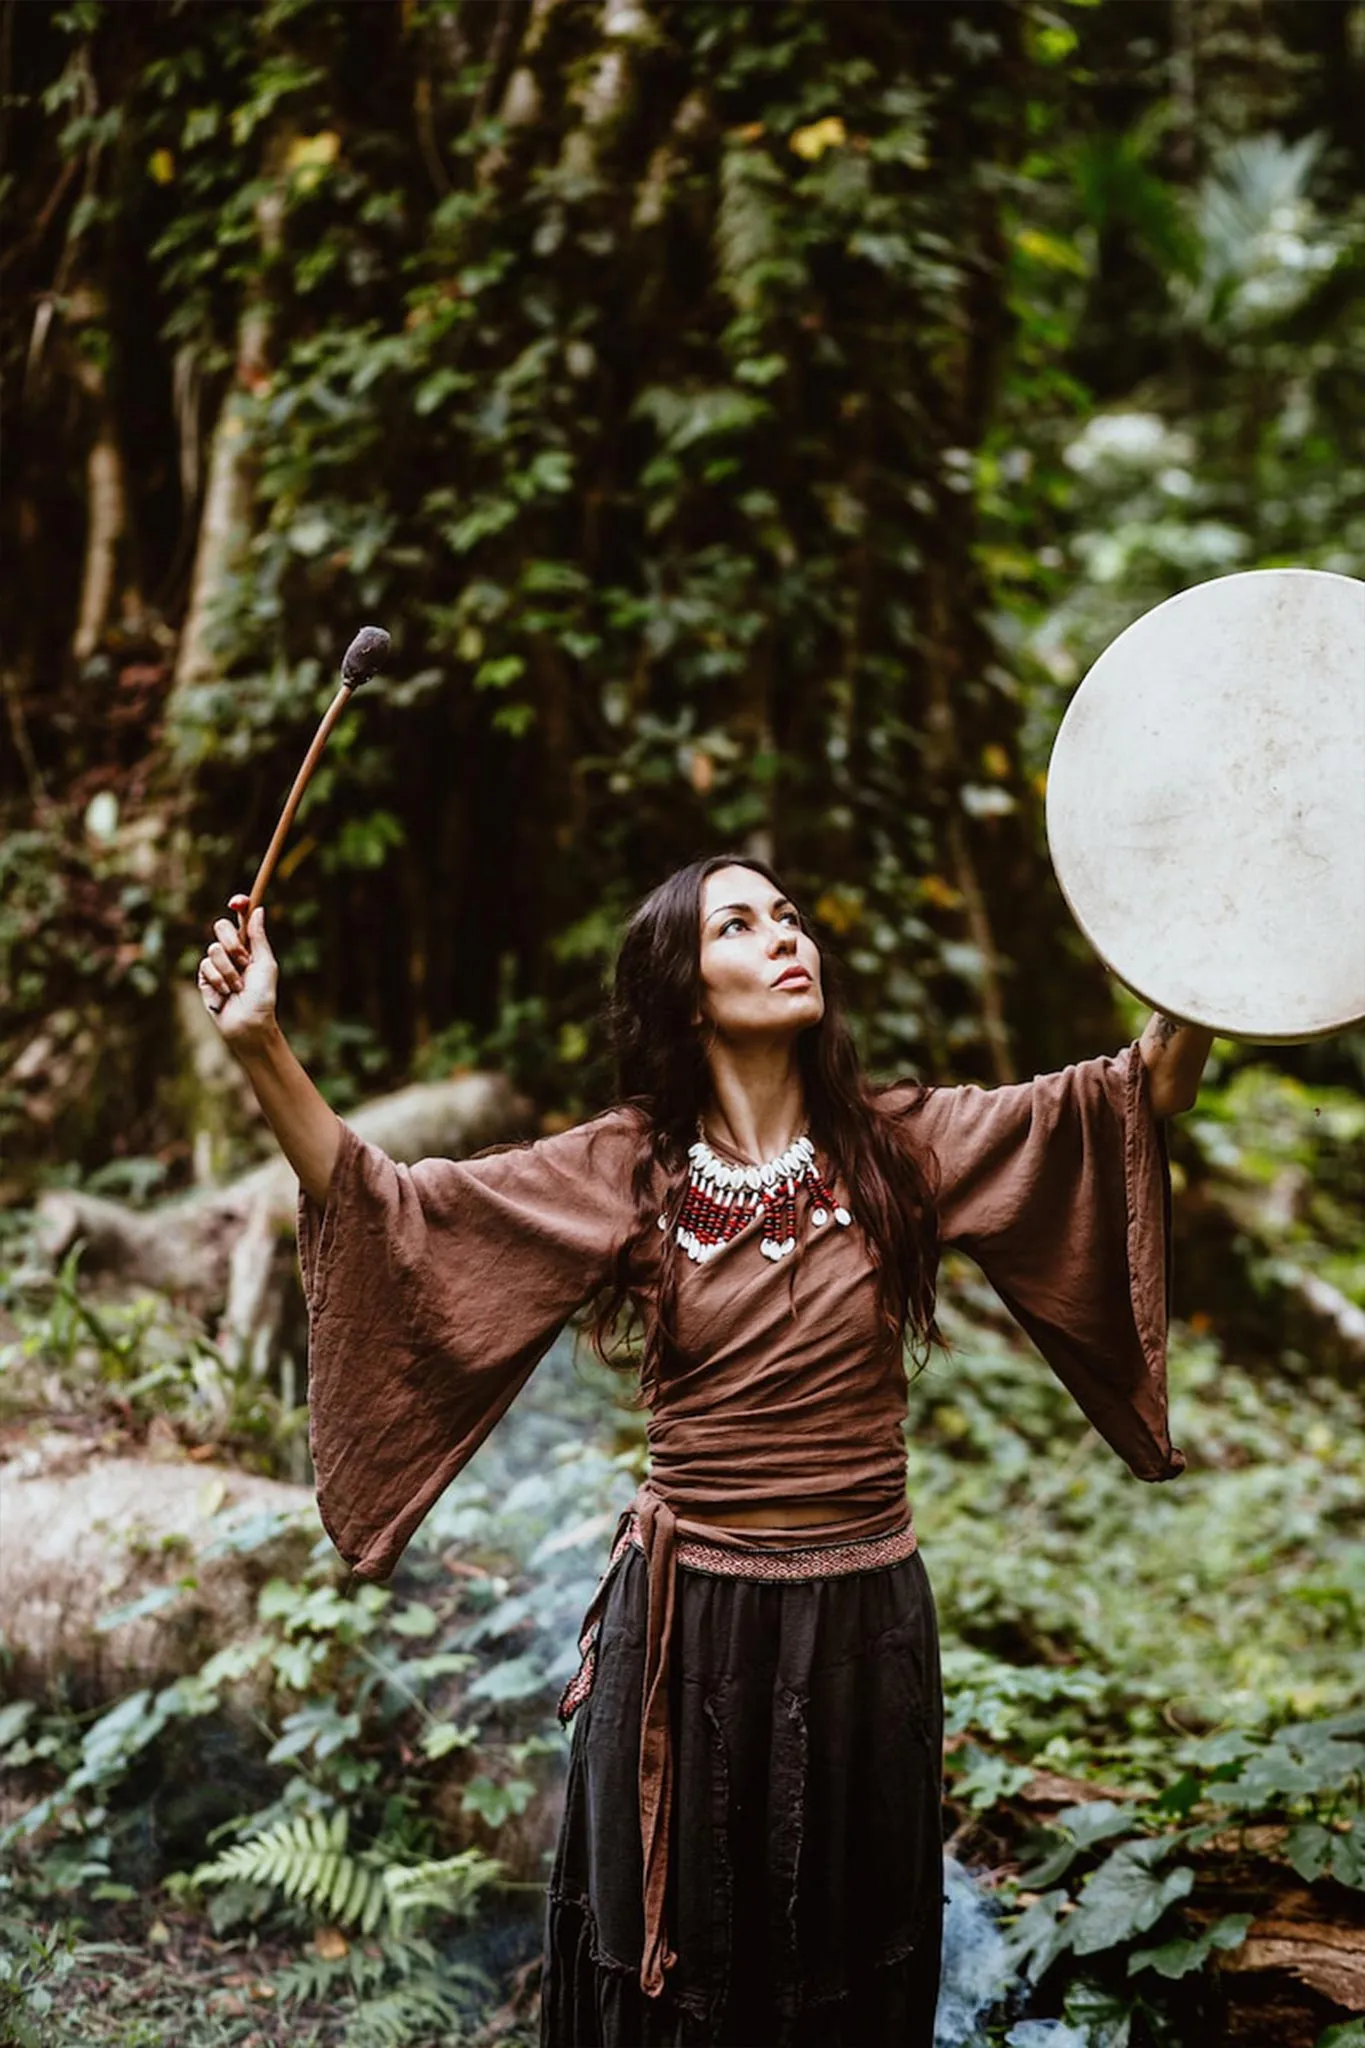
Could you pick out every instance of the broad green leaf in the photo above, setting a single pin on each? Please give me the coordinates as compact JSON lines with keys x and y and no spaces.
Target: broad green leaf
{"x":516,"y":1678}
{"x":1104,"y":2017}
{"x":442,"y":1736}
{"x":154,"y":1602}
{"x":1038,"y":1936}
{"x":986,"y":1779}
{"x":14,"y":1718}
{"x":1082,"y":1827}
{"x":500,"y":673}
{"x":1126,"y":1896}
{"x":1178,"y":1957}
{"x":495,"y":1802}
{"x":1350,"y":2034}
{"x":416,"y":1619}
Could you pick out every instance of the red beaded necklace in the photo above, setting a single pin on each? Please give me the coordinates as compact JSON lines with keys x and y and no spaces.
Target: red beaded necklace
{"x":722,"y":1200}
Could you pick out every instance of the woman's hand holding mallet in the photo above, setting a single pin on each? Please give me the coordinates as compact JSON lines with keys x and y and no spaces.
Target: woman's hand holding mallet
{"x":237,"y":980}
{"x":238,"y":975}
{"x":364,"y":658}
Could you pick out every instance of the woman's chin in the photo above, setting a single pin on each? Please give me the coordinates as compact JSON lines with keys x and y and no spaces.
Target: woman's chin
{"x":804,"y":1009}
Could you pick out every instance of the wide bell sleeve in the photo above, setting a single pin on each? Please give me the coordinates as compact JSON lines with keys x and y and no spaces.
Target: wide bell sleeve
{"x":1059,"y":1190}
{"x":433,"y":1291}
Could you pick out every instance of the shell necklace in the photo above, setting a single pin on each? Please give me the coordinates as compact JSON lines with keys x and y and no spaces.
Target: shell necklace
{"x":722,"y":1200}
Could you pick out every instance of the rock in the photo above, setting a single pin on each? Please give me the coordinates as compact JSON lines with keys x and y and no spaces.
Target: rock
{"x":85,"y":1535}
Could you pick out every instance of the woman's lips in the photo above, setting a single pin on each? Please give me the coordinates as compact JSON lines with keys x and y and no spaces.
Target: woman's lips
{"x":791,"y":974}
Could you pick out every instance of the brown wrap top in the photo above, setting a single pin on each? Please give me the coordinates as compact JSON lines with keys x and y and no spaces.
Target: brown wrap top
{"x":434,"y":1290}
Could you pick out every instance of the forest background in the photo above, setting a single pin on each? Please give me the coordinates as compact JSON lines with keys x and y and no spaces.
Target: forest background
{"x":750,"y":421}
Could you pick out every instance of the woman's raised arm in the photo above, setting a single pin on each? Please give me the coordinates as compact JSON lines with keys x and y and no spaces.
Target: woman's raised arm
{"x":238,"y":976}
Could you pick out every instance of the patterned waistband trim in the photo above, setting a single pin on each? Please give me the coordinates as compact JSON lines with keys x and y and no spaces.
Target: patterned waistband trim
{"x":723,"y":1561}
{"x":816,"y":1561}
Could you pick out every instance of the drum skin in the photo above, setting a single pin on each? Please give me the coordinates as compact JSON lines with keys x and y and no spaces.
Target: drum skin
{"x":1206,"y":805}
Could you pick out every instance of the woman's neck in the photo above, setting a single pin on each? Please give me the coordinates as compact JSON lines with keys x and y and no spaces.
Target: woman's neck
{"x":757,"y":1103}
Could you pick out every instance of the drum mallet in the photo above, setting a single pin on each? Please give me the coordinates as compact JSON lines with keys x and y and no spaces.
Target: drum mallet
{"x":364,"y":658}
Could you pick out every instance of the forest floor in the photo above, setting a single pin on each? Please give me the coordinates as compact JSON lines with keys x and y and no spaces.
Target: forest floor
{"x":1155,"y":1771}
{"x":127,"y":1982}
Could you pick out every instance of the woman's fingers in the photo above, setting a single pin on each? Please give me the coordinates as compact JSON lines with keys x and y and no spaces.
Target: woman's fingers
{"x":238,"y":970}
{"x":232,"y":941}
{"x":226,"y":965}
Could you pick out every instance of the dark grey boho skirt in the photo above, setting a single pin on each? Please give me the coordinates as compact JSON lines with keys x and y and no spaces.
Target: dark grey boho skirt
{"x":805,"y":1894}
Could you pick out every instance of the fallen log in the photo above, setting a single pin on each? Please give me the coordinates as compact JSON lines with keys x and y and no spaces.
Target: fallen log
{"x":215,"y":1250}
{"x":1325,"y":1955}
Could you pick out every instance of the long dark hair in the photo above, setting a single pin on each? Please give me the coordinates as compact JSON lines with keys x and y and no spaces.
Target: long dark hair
{"x":662,"y":1073}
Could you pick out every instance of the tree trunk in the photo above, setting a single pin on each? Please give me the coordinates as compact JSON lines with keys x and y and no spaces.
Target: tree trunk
{"x":107,"y":503}
{"x":225,"y":524}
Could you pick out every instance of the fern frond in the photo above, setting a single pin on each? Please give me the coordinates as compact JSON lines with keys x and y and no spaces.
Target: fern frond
{"x":318,"y":1980}
{"x":306,"y":1859}
{"x":391,"y":2020}
{"x":449,"y":1886}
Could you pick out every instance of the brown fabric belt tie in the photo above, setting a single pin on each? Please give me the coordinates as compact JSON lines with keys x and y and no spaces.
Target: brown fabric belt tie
{"x":652,"y":1525}
{"x":657,"y":1536}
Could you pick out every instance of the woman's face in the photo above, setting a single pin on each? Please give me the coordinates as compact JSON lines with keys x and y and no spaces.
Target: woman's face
{"x":760,"y":973}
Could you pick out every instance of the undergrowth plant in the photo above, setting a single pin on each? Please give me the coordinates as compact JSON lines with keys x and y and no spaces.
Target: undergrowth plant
{"x":128,"y":1362}
{"x":347,"y":1716}
{"x":1118,"y":1886}
{"x":382,"y":1743}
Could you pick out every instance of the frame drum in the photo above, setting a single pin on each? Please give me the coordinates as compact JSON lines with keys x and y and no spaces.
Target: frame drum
{"x":1206,"y":805}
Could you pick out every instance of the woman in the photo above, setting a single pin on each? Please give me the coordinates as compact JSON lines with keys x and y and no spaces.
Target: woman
{"x":751,"y":1848}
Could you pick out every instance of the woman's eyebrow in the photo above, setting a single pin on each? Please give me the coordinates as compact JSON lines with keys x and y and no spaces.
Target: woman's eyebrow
{"x":778,"y":903}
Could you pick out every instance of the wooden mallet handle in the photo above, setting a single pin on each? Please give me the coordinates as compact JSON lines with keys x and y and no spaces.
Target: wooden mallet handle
{"x":365,"y":656}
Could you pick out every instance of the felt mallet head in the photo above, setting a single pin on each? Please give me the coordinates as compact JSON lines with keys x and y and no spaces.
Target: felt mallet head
{"x":367,"y":654}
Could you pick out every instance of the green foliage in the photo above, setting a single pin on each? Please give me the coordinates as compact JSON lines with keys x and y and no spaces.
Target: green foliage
{"x":33,"y":1961}
{"x":1054,"y":1576}
{"x":1048,"y":1627}
{"x":643,"y":433}
{"x":82,"y":958}
{"x":1313,"y":1768}
{"x":1182,"y":1954}
{"x":1125,"y":1896}
{"x":1298,"y":1150}
{"x":344,"y":1843}
{"x":1349,"y":2035}
{"x":306,"y":1861}
{"x":137,"y":1359}
{"x":758,"y":456}
{"x":493,"y":1802}
{"x":1273,"y":1498}
{"x":359,"y":1703}
{"x":1225,"y":445}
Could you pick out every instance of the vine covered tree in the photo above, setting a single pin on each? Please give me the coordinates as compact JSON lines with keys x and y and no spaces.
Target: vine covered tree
{"x":701,"y":396}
